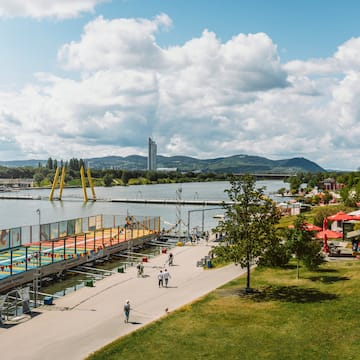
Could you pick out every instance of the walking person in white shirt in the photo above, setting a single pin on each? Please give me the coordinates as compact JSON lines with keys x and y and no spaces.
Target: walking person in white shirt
{"x":161,"y":278}
{"x":166,"y":277}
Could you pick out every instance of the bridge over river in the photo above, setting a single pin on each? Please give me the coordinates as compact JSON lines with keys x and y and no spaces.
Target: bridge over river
{"x":269,"y":176}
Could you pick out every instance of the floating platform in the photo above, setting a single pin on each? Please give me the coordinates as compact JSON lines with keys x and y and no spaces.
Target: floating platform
{"x":48,"y":258}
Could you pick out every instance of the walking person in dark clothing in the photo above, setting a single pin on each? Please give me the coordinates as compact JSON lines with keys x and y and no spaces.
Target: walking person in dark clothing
{"x":126,"y":311}
{"x":171,"y":259}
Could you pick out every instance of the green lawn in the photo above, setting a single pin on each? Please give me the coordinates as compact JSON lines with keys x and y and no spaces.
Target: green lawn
{"x":316,"y":317}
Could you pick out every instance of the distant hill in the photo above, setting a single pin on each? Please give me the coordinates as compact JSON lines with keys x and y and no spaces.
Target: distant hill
{"x":231,"y":164}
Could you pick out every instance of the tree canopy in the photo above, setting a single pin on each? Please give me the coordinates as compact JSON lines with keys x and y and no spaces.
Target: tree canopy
{"x":248,"y":225}
{"x":301,"y":243}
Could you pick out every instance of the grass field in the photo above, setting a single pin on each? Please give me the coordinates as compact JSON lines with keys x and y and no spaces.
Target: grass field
{"x":316,"y":317}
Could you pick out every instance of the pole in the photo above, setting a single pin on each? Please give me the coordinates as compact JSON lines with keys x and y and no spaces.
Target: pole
{"x":203,"y":217}
{"x":38,"y":264}
{"x":202,"y":223}
{"x":188,"y":224}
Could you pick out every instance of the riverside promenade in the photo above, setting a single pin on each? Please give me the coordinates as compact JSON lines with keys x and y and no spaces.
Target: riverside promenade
{"x":86,"y":320}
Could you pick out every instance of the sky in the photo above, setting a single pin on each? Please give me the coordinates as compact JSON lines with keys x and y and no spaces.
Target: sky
{"x":203,"y":78}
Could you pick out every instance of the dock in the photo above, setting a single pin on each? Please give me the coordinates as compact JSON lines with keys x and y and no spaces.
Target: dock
{"x":173,"y":202}
{"x":133,"y":201}
{"x":53,"y":255}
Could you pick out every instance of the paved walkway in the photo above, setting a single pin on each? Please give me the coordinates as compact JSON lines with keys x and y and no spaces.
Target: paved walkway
{"x":84,"y":321}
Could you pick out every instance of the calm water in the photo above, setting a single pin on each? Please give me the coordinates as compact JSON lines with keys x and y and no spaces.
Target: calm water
{"x":15,"y":213}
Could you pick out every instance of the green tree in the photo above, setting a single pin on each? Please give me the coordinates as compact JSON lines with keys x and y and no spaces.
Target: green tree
{"x":249,"y":220}
{"x":300,"y":242}
{"x":49,"y":163}
{"x":327,"y":197}
{"x":126,"y":176}
{"x":39,"y":177}
{"x":276,"y":253}
{"x":347,"y":196}
{"x":108,"y":179}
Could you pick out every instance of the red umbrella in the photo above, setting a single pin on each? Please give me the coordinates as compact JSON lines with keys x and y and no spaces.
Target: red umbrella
{"x":312,"y":227}
{"x":340,"y":216}
{"x":308,"y":227}
{"x":330,"y":234}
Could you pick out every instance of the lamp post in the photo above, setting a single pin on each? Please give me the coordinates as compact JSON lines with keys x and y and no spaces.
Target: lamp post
{"x":39,"y":214}
{"x":37,"y":272}
{"x":39,"y":255}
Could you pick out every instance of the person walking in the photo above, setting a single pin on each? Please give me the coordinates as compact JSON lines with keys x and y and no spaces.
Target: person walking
{"x":140,"y":269}
{"x":127,"y":311}
{"x":161,"y":278}
{"x":171,"y":259}
{"x":166,"y":276}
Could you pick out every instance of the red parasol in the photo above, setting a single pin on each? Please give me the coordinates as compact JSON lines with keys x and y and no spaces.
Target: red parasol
{"x":330,"y":234}
{"x":340,"y":216}
{"x":308,"y":227}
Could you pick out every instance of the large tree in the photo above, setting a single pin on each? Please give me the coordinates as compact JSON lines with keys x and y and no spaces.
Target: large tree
{"x":248,"y":224}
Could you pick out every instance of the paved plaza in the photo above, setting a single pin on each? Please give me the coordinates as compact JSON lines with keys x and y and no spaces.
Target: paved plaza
{"x":84,"y":321}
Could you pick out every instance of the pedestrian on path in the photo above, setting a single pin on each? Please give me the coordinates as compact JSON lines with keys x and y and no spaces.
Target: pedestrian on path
{"x":127,"y":311}
{"x":140,"y":269}
{"x":171,"y":259}
{"x":166,"y":276}
{"x":161,"y":278}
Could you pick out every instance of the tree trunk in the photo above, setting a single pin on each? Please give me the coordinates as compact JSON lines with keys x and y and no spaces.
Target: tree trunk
{"x":298,"y":270}
{"x":248,"y":277}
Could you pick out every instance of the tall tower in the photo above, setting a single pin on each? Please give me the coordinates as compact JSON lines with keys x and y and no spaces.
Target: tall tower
{"x":152,"y":155}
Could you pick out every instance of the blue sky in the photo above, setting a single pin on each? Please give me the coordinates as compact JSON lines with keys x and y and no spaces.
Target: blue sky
{"x":204,"y":78}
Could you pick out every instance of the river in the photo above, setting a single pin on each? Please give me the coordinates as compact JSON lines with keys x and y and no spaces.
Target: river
{"x":14,"y":213}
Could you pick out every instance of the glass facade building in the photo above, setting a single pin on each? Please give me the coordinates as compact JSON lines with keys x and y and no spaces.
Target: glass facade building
{"x":152,"y":155}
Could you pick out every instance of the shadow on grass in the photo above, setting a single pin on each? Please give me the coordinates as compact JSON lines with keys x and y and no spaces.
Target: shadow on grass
{"x":328,"y":279}
{"x":326,"y":270}
{"x":292,"y":294}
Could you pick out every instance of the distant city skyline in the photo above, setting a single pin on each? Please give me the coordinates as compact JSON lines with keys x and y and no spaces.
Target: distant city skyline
{"x":206,"y":78}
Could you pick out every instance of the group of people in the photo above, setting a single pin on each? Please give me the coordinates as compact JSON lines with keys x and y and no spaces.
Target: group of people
{"x":163,"y":278}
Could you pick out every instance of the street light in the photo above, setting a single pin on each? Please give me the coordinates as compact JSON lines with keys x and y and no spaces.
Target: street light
{"x":38,"y":263}
{"x":39,"y":255}
{"x":39,"y":213}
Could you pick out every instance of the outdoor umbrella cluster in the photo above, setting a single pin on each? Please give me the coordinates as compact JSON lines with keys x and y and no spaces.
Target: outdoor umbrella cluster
{"x":325,"y":233}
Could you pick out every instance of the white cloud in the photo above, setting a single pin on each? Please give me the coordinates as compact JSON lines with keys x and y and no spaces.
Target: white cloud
{"x":116,"y":44}
{"x":61,"y":9}
{"x":205,"y":98}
